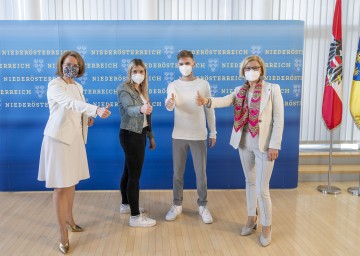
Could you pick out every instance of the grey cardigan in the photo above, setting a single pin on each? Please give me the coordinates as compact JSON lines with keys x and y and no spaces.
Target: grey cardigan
{"x":130,"y":102}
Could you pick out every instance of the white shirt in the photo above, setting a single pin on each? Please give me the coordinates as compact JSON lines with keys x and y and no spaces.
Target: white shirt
{"x":189,"y":118}
{"x":249,"y":97}
{"x":144,"y":100}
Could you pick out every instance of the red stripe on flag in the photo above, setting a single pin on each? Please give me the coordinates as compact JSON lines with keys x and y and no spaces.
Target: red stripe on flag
{"x":336,"y":28}
{"x":331,"y":108}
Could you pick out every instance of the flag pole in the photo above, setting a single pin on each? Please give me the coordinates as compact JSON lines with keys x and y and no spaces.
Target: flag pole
{"x":354,"y":106}
{"x":328,"y":189}
{"x":332,"y":100}
{"x":355,"y":191}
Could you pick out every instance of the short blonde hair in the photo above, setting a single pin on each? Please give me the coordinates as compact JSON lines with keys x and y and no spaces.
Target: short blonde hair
{"x":77,"y":56}
{"x":249,"y":59}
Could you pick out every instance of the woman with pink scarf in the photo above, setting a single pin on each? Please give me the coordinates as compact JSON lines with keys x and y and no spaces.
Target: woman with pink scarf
{"x":257,"y":134}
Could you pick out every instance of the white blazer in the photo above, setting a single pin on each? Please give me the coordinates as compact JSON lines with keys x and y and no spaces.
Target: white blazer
{"x":65,"y":112}
{"x":271,"y":116}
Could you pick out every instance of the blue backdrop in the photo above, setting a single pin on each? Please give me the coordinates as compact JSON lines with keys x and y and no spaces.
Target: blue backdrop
{"x":29,"y":52}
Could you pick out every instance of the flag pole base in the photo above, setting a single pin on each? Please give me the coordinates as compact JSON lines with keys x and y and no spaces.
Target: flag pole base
{"x":355,"y":191}
{"x":325,"y":189}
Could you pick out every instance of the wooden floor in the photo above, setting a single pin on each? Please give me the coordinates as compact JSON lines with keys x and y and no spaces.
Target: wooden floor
{"x":305,"y":222}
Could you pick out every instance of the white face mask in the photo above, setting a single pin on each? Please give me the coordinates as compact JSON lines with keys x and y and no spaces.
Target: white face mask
{"x":137,"y":78}
{"x":252,"y":75}
{"x":185,"y":70}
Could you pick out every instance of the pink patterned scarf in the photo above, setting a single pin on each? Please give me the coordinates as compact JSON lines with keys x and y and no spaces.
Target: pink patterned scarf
{"x":247,"y":114}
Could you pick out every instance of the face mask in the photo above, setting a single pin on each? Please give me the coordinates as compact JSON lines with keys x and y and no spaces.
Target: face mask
{"x":252,"y":75}
{"x":137,"y":78}
{"x":185,"y":70}
{"x":70,"y":71}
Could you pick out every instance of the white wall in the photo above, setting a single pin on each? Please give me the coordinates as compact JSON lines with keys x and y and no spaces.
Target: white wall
{"x":317,"y":15}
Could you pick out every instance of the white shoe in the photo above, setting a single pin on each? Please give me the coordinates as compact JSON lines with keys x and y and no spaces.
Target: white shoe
{"x":205,"y":214}
{"x":245,"y":231}
{"x":174,"y":211}
{"x":141,"y":221}
{"x":265,"y":241}
{"x":125,"y":208}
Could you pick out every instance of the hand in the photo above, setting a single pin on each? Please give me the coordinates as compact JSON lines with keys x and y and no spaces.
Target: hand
{"x":273,"y":154}
{"x":146,"y":109}
{"x":212,"y":142}
{"x":170,"y":102}
{"x":200,"y":100}
{"x":104,"y":112}
{"x":152,"y":144}
{"x":90,"y":121}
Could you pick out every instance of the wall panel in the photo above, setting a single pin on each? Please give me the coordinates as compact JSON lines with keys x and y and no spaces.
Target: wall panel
{"x":317,"y":15}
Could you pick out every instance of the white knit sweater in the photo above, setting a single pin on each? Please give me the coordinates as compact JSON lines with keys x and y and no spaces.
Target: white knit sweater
{"x":189,"y":118}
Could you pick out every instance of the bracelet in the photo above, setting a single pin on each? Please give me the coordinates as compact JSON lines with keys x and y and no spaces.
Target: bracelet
{"x":208,"y":105}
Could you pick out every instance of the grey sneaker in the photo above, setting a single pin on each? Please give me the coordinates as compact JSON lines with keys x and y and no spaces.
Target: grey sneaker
{"x":205,"y":215}
{"x":125,"y":208}
{"x":174,"y":211}
{"x":141,"y":221}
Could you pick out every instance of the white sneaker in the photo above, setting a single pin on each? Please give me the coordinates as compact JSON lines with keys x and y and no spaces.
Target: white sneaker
{"x":174,"y":211}
{"x":125,"y":208}
{"x":141,"y":221}
{"x":205,"y":214}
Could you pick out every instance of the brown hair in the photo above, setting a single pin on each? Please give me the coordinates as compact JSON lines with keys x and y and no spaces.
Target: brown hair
{"x":144,"y":84}
{"x":252,"y":58}
{"x":77,"y":56}
{"x":184,"y":54}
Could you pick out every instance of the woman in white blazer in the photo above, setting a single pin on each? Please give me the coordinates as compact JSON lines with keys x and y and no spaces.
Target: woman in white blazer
{"x":257,"y":134}
{"x":63,"y":161}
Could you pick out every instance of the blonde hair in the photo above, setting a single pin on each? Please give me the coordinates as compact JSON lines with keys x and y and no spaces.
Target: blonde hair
{"x":249,"y":59}
{"x":77,"y":56}
{"x":143,"y":86}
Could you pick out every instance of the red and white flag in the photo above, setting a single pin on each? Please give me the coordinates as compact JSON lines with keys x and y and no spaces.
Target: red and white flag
{"x":332,"y":101}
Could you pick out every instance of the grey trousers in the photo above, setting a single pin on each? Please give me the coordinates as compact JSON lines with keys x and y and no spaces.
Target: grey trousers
{"x":198,"y":151}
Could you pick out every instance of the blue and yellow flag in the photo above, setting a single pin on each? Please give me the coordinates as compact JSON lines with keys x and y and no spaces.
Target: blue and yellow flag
{"x":355,"y":90}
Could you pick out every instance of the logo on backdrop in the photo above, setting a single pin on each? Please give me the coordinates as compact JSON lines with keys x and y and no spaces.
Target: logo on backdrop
{"x":39,"y":64}
{"x":297,"y":90}
{"x":125,"y":63}
{"x":169,"y":51}
{"x":213,"y":64}
{"x":213,"y":90}
{"x":83,"y":79}
{"x":298,"y":64}
{"x":39,"y":91}
{"x":256,"y":49}
{"x":169,"y":77}
{"x":0,"y":105}
{"x":81,"y":49}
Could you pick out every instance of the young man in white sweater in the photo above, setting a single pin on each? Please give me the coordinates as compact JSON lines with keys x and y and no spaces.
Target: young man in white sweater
{"x":190,"y":131}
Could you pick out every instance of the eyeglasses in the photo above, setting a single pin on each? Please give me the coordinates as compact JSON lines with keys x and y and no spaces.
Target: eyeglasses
{"x":255,"y":68}
{"x":71,"y":65}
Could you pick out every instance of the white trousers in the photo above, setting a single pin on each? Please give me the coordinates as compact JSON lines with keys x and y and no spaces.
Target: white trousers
{"x":257,"y":169}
